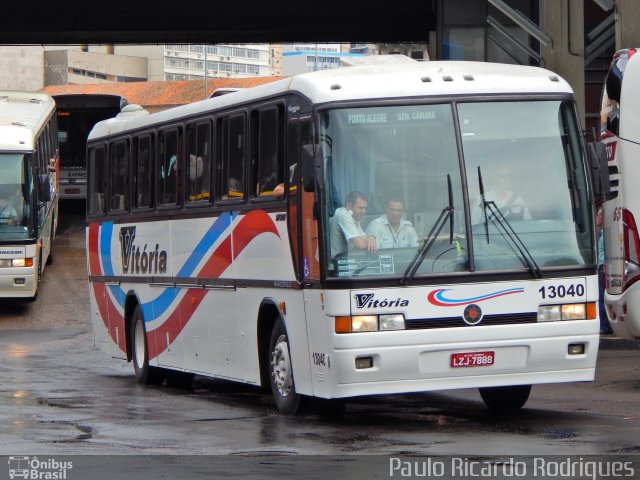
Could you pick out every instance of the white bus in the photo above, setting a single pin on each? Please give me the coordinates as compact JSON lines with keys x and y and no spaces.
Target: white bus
{"x":620,"y":132}
{"x":28,"y":190}
{"x":197,"y":265}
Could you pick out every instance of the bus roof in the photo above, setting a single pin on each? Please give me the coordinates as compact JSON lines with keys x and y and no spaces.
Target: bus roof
{"x":418,"y":79}
{"x":22,"y":115}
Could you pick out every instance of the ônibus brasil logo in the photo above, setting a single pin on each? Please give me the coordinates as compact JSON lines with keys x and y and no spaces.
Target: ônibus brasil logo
{"x":368,"y":300}
{"x":34,"y":468}
{"x":136,"y":259}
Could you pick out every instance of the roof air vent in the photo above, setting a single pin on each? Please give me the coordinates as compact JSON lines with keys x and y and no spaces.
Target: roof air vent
{"x":36,"y":100}
{"x":469,"y":78}
{"x":447,"y":78}
{"x":336,"y":86}
{"x":426,"y":79}
{"x":553,"y":78}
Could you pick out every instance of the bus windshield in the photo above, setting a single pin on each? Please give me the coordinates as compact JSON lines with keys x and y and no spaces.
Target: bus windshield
{"x":14,"y":190}
{"x":393,"y":175}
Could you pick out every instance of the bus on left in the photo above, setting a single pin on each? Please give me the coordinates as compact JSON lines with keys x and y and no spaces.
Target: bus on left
{"x":29,"y":169}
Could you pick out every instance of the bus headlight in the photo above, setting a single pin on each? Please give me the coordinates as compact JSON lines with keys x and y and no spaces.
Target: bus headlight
{"x":369,"y":323}
{"x":22,"y":262}
{"x":364,"y":323}
{"x":569,"y":311}
{"x":392,"y":322}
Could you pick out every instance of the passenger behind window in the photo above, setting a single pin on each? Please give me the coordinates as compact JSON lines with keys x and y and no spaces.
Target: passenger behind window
{"x":345,"y":229}
{"x":197,"y":189}
{"x":271,"y":184}
{"x":234,"y":189}
{"x":510,"y":203}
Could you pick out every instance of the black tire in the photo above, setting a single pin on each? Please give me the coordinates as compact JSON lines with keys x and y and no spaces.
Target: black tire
{"x":145,"y":374}
{"x":505,"y":398}
{"x":283,"y":386}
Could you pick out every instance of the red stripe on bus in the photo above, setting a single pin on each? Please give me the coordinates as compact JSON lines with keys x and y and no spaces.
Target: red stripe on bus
{"x":251,"y":225}
{"x":94,"y":257}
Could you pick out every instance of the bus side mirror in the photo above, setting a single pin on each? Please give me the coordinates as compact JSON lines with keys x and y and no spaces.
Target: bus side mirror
{"x":44,"y":188}
{"x":597,"y":153}
{"x":309,"y":170}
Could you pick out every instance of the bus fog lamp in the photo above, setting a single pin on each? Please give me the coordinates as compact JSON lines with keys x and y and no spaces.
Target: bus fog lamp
{"x":549,"y":313}
{"x":364,"y":362}
{"x":392,"y":322}
{"x":364,"y":323}
{"x":19,"y":281}
{"x":576,"y":349}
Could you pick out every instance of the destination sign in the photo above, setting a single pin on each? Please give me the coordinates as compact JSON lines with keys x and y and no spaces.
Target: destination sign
{"x":393,"y":115}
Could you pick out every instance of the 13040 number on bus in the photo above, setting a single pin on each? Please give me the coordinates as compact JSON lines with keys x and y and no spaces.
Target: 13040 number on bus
{"x":562,"y":291}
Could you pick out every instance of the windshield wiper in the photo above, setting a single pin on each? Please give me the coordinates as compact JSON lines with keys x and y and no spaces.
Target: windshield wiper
{"x":484,"y":204}
{"x":507,"y":230}
{"x":429,"y":240}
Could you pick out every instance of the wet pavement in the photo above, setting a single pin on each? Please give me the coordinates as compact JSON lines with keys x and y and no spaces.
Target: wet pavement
{"x":59,"y":395}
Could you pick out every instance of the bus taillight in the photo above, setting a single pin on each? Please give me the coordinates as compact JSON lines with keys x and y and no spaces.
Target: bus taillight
{"x":631,"y":272}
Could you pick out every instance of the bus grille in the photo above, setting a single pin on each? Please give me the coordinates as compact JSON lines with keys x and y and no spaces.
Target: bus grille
{"x":507,"y":319}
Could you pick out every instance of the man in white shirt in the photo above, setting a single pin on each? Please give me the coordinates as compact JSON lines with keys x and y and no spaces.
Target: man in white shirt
{"x":391,"y":229}
{"x":345,"y":228}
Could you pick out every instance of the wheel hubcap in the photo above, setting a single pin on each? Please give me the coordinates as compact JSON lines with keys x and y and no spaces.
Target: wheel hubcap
{"x":140,"y":344}
{"x":281,"y":366}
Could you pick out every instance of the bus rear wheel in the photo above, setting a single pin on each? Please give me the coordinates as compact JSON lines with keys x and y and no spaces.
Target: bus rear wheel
{"x":505,"y":398}
{"x":283,"y":386}
{"x":145,"y":374}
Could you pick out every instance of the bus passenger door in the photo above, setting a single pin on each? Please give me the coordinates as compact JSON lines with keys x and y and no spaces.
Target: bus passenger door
{"x":302,"y":224}
{"x":303,"y":228}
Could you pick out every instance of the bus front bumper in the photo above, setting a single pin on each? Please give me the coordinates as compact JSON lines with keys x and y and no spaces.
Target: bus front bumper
{"x":18,"y":283}
{"x":439,"y":364}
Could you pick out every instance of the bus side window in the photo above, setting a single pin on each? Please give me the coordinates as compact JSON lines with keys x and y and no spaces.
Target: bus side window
{"x":199,"y":162}
{"x":231,"y":159}
{"x":143,"y":188}
{"x":268,"y":157}
{"x":118,"y":161}
{"x":169,"y":167}
{"x":97,"y":166}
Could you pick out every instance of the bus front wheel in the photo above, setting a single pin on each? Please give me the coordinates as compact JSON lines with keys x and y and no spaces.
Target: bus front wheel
{"x":505,"y":398}
{"x":282,"y":385}
{"x":145,"y":374}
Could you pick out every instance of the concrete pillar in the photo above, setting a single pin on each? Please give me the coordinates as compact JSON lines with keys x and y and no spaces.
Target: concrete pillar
{"x":563,"y":21}
{"x":627,"y":21}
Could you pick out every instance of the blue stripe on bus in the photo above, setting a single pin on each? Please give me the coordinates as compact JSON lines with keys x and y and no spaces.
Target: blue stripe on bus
{"x":156,"y":307}
{"x":219,"y":226}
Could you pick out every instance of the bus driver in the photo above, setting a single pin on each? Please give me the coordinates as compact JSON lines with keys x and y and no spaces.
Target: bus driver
{"x":391,"y":229}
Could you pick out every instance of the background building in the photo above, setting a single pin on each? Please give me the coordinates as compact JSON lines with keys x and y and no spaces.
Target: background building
{"x":309,"y":57}
{"x":187,"y":62}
